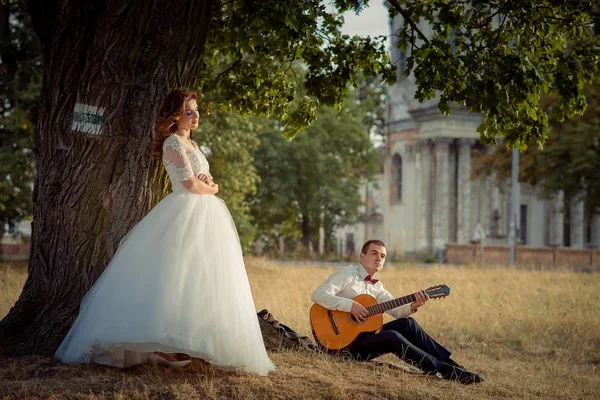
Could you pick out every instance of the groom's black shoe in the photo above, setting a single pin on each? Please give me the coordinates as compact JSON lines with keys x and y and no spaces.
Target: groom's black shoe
{"x":461,"y":375}
{"x":454,"y":363}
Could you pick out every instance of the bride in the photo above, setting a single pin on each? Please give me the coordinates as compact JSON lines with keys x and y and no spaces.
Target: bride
{"x":177,"y":283}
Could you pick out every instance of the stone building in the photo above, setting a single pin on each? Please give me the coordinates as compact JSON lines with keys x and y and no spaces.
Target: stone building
{"x":425,"y":196}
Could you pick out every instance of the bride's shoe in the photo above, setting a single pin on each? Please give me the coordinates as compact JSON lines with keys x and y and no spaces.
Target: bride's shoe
{"x":155,"y":359}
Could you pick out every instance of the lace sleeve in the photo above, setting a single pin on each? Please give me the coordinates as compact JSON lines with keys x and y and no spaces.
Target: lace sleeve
{"x":174,"y":154}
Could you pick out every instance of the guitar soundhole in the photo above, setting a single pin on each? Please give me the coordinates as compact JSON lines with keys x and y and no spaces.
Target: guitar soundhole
{"x":355,"y":320}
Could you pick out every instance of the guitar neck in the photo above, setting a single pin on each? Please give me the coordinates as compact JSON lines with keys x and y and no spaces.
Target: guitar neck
{"x":388,"y":305}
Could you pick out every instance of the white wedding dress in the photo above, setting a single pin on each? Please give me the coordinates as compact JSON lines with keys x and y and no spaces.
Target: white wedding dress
{"x":176,"y":284}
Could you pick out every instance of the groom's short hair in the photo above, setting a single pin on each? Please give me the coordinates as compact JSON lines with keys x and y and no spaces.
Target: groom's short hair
{"x":365,"y":247}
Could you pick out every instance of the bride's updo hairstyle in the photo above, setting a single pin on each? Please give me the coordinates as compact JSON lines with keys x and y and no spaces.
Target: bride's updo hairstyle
{"x":169,"y":112}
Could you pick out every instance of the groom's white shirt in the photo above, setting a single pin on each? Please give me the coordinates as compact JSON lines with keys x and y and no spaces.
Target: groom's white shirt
{"x":337,"y":292}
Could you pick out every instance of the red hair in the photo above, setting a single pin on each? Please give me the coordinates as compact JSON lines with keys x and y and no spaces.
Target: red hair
{"x":170,"y":111}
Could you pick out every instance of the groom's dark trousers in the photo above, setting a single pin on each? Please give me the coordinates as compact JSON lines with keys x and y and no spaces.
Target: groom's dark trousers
{"x":405,"y":338}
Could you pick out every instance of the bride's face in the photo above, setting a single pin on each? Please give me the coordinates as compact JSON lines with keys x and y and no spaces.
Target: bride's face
{"x":189,"y":119}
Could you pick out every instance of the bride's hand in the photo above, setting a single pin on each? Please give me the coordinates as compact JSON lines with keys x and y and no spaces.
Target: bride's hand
{"x":205,"y":178}
{"x":215,"y":187}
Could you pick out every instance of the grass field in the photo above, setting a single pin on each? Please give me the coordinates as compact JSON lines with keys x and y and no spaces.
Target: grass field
{"x":531,"y":334}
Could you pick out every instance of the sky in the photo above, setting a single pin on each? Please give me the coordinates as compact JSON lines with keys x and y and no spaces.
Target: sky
{"x":372,"y":21}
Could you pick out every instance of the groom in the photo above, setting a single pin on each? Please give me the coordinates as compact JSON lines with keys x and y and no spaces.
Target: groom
{"x":403,"y":337}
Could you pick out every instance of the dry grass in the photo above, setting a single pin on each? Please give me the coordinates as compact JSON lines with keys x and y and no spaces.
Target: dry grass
{"x":532,"y":334}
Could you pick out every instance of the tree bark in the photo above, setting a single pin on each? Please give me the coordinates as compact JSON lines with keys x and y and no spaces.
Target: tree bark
{"x":92,"y":188}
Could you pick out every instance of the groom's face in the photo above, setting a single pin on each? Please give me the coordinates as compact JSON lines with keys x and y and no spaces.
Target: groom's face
{"x":374,"y":259}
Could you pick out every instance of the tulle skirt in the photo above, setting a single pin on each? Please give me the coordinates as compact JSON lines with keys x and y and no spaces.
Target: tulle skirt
{"x":177,"y":284}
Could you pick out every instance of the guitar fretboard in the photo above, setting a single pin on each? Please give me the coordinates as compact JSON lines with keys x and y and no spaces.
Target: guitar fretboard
{"x":388,"y":305}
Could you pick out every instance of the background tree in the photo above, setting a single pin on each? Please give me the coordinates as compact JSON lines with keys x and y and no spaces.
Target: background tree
{"x":107,"y":66}
{"x":501,"y":57}
{"x":232,"y":140}
{"x":570,"y":160}
{"x":315,"y":178}
{"x":20,"y":82}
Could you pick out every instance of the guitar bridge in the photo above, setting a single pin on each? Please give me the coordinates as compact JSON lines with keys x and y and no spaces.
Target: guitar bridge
{"x":333,"y":323}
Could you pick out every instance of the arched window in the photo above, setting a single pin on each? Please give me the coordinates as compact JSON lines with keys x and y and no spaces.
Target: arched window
{"x":397,"y":176}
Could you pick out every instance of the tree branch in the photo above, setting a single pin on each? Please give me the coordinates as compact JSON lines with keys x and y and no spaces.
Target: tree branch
{"x":221,"y":6}
{"x":230,"y":68}
{"x":406,"y":17}
{"x":499,"y":30}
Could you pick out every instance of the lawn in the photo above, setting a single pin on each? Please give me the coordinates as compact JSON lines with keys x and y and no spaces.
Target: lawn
{"x":531,"y":334}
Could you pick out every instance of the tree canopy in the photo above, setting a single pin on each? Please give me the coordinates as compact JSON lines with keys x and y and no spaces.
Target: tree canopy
{"x":500,"y":58}
{"x":253,"y":47}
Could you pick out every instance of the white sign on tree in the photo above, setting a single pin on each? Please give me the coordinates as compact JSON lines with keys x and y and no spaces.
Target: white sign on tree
{"x":87,"y":118}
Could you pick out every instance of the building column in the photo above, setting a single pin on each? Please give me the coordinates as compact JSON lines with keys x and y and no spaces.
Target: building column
{"x":442,"y":192}
{"x":595,"y":240}
{"x":557,"y":219}
{"x":577,"y":224}
{"x":464,"y":191}
{"x":426,"y":160}
{"x":488,"y":195}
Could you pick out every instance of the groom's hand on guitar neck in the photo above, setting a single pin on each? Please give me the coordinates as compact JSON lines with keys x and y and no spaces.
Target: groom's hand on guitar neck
{"x":420,"y":298}
{"x":361,"y":313}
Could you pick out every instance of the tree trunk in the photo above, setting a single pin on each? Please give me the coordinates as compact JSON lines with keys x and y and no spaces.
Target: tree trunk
{"x":306,"y":239}
{"x":1,"y":238}
{"x":3,"y":35}
{"x":96,"y":178}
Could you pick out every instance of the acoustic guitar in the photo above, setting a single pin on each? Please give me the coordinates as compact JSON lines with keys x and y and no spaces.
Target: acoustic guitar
{"x":337,"y":330}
